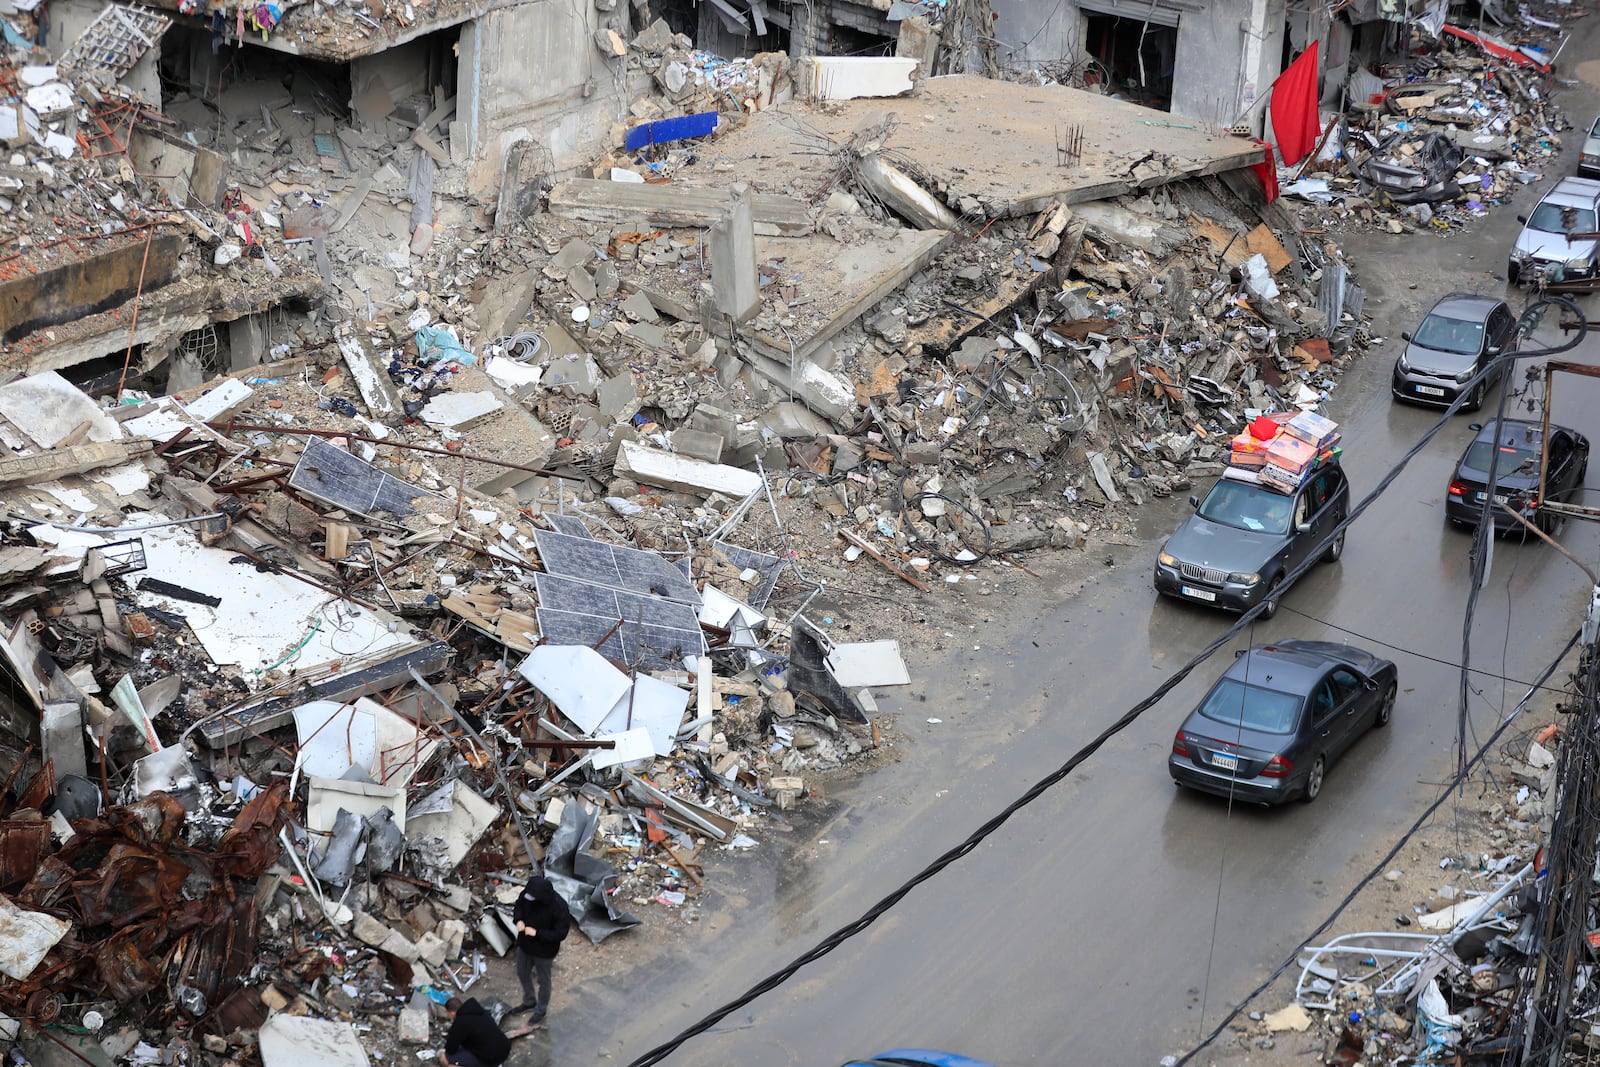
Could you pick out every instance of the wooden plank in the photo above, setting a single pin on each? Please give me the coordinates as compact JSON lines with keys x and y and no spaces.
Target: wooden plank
{"x":672,"y":205}
{"x":1260,"y":240}
{"x":861,"y":543}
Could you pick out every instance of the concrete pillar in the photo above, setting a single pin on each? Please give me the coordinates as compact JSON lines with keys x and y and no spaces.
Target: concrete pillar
{"x":469,"y":50}
{"x":733,"y":259}
{"x":247,"y":343}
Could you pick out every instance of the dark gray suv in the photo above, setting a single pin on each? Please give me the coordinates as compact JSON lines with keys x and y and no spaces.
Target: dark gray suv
{"x":1234,"y":551}
{"x":1458,"y":338}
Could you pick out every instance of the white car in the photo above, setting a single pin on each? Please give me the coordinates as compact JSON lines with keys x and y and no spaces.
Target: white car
{"x":1547,"y":245}
{"x":1589,"y":157}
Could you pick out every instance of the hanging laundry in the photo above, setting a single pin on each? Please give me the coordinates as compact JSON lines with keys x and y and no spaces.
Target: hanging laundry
{"x":219,"y":30}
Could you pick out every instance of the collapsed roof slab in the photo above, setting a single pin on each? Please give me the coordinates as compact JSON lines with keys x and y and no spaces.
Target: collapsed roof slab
{"x":839,"y":284}
{"x":990,"y":140}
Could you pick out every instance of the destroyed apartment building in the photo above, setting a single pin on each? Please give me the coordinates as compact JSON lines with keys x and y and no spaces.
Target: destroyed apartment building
{"x":527,"y":539}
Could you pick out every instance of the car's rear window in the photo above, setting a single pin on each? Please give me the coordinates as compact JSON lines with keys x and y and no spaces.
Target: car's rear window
{"x":1251,"y":707}
{"x":1442,"y":334}
{"x":1554,"y":218}
{"x":1512,"y":456}
{"x":1247,"y":507}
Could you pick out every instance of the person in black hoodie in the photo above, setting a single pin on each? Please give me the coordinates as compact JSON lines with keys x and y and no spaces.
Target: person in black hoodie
{"x":474,"y":1038}
{"x":543,"y":920}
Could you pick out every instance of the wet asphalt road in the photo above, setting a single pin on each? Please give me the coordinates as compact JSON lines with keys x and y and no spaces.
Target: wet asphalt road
{"x":1116,"y":919}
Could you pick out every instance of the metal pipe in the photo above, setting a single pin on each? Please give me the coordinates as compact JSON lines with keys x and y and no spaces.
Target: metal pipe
{"x":227,"y":428}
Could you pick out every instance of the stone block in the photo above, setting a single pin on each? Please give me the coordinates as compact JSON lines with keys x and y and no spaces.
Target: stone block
{"x":699,"y":445}
{"x":369,"y":930}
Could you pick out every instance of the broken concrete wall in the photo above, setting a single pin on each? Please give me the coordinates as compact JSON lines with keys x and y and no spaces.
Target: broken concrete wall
{"x":69,"y":18}
{"x":535,"y":73}
{"x":85,"y":286}
{"x":1229,"y":51}
{"x":403,"y":70}
{"x":187,"y":172}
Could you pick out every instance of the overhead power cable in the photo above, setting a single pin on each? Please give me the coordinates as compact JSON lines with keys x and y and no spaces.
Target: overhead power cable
{"x":977,"y":837}
{"x":1388,"y":857}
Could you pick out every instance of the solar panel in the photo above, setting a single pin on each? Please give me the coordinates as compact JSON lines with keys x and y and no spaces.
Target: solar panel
{"x":655,"y":632}
{"x":570,"y":525}
{"x":335,"y":477}
{"x":602,"y":564}
{"x":767,"y":566}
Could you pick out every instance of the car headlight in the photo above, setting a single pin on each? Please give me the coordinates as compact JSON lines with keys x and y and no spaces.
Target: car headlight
{"x":1167,"y":559}
{"x":1244,"y":578}
{"x":1577,"y":263}
{"x":1466,"y":375}
{"x":1405,"y":368}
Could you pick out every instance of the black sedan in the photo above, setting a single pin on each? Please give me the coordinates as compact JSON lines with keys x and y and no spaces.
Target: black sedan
{"x":1279,"y":717}
{"x":1234,"y":551}
{"x":1520,"y":446}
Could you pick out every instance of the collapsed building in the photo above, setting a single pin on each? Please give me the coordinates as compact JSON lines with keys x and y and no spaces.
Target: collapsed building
{"x":439,"y":472}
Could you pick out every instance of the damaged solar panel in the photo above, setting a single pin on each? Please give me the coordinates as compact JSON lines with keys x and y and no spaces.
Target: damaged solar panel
{"x":614,"y":566}
{"x":332,"y":475}
{"x":654,"y":632}
{"x":768,"y":567}
{"x":570,"y":525}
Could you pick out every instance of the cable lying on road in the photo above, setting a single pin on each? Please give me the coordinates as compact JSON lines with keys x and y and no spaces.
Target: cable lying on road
{"x":1388,"y":857}
{"x":872,"y":914}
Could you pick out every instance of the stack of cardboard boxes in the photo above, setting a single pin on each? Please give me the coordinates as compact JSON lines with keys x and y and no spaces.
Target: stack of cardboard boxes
{"x":1282,"y":449}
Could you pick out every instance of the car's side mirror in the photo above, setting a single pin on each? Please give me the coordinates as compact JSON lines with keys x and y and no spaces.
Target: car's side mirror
{"x":1522,"y":219}
{"x":1474,"y":426}
{"x":1372,"y":687}
{"x":1239,"y":652}
{"x":1304,"y":527}
{"x":1495,"y":350}
{"x":1194,"y":502}
{"x":1404,"y":336}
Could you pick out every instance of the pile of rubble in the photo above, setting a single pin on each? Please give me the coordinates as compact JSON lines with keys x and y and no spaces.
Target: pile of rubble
{"x":1447,"y":978}
{"x":1441,"y":139}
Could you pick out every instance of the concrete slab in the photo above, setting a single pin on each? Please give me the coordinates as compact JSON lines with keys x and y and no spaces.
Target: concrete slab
{"x":853,"y":77}
{"x":675,"y":204}
{"x":50,"y":409}
{"x":458,"y":411}
{"x":841,"y":282}
{"x":954,"y":130}
{"x":651,"y":466}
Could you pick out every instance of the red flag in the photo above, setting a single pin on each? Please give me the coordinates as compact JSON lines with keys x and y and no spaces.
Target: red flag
{"x":1267,"y":171}
{"x":1295,"y":121}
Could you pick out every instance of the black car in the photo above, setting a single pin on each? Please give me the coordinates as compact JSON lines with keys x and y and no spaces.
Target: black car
{"x":1521,"y":447}
{"x":1279,"y":717}
{"x":1234,"y":551}
{"x":1460,"y":336}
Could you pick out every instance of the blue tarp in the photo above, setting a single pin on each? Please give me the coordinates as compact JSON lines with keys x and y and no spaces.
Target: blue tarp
{"x":433,"y":343}
{"x":670,"y":130}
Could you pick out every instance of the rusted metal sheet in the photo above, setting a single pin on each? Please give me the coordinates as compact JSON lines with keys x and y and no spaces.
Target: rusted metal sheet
{"x":147,"y":907}
{"x":223,"y":951}
{"x":24,"y":844}
{"x":128,"y":885}
{"x":41,"y":787}
{"x":122,"y":968}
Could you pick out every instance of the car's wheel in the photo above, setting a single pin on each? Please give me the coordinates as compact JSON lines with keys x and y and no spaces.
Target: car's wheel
{"x":1386,"y":708}
{"x":1511,"y":271}
{"x":1475,"y":401}
{"x":1314,"y":780}
{"x":1270,"y":604}
{"x":1336,"y":549}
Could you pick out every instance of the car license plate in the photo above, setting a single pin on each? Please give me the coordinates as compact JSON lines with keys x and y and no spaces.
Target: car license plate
{"x":1501,"y":500}
{"x":1430,"y":390}
{"x":1199,"y":594}
{"x":1223,"y":762}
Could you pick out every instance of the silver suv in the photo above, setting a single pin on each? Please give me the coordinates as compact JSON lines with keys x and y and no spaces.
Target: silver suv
{"x":1546,"y":248}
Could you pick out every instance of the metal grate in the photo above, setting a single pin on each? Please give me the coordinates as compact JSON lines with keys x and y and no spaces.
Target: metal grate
{"x":1202,"y":574}
{"x":201,"y":346}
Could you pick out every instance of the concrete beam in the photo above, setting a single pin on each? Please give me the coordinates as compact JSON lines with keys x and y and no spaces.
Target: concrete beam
{"x":63,"y":462}
{"x":673,"y":205}
{"x":733,"y":259}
